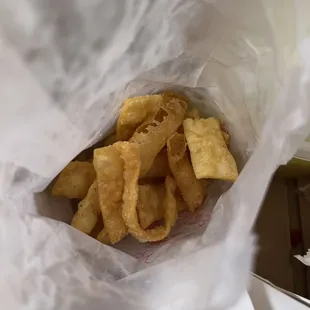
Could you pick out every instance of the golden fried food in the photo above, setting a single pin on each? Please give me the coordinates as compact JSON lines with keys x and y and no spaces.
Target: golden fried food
{"x":191,"y":189}
{"x":103,"y":237}
{"x":99,"y":225}
{"x":109,"y":170}
{"x":74,"y":180}
{"x":226,"y":137}
{"x":172,"y":94}
{"x":134,"y":112}
{"x":181,"y":204}
{"x":150,"y":203}
{"x":110,"y":139}
{"x":132,"y":164}
{"x":192,"y":113}
{"x":153,"y":134}
{"x":155,"y":165}
{"x":208,"y":149}
{"x":86,"y":216}
{"x":160,"y":167}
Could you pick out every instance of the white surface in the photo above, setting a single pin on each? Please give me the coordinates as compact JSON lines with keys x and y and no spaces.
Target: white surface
{"x":305,"y":259}
{"x":66,"y":66}
{"x":266,"y":297}
{"x":243,"y":303}
{"x":304,"y":151}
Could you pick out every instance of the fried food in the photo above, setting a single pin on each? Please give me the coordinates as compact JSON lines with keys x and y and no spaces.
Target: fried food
{"x":226,"y":137}
{"x":99,"y":225}
{"x":208,"y":149}
{"x":131,"y":157}
{"x":152,"y":135}
{"x":191,"y":189}
{"x":172,"y":94}
{"x":150,"y":203}
{"x":109,"y":170}
{"x":103,"y":237}
{"x":110,"y":139}
{"x":134,"y":112}
{"x":192,"y":113}
{"x":86,"y":216}
{"x":74,"y":180}
{"x":160,"y":167}
{"x":155,"y":165}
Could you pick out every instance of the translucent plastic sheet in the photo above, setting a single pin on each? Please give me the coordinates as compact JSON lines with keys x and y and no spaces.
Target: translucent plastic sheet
{"x":66,"y":66}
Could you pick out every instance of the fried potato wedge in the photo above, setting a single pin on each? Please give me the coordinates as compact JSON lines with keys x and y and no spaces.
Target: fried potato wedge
{"x":134,"y":112}
{"x":74,"y":180}
{"x":132,"y":164}
{"x":109,"y":169}
{"x":191,"y":189}
{"x":153,"y":134}
{"x":208,"y":149}
{"x":86,"y":216}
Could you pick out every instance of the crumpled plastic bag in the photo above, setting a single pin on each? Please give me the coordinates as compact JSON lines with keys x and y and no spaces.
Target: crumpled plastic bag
{"x":66,"y":66}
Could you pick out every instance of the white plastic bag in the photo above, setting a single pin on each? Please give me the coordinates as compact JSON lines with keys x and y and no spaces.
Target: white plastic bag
{"x":66,"y":66}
